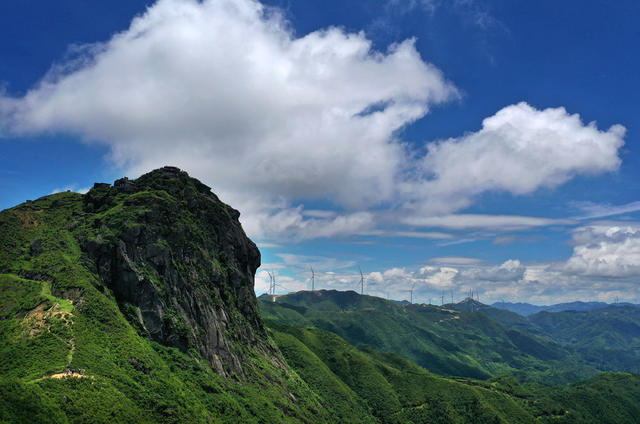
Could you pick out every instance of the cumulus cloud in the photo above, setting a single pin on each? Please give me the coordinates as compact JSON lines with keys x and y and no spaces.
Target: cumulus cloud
{"x":225,"y":89}
{"x":438,"y":277}
{"x":271,"y":120}
{"x":455,"y":277}
{"x":511,"y":270}
{"x":293,"y":223}
{"x":518,"y":150}
{"x":606,"y":250}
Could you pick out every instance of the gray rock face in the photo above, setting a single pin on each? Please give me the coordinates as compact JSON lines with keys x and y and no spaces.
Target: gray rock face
{"x":179,"y":264}
{"x":124,"y":185}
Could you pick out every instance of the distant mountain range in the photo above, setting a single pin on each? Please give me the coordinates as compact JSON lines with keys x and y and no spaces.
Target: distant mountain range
{"x":527,"y":309}
{"x":471,"y":339}
{"x":339,"y":339}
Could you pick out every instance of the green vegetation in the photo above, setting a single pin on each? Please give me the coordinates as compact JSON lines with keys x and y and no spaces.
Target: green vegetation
{"x":134,"y":303}
{"x":608,"y":338}
{"x":391,"y":389}
{"x":59,"y":315}
{"x":445,"y":340}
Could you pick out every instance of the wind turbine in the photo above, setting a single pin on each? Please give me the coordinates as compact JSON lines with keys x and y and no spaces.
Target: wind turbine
{"x":313,"y":279}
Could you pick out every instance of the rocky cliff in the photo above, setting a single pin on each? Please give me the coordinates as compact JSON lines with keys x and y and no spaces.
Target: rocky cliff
{"x":134,"y":302}
{"x":176,"y":260}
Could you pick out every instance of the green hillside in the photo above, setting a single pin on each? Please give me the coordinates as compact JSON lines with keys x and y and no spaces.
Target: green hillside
{"x":446,"y":340}
{"x":135,"y":303}
{"x":390,"y":389}
{"x":125,"y":288}
{"x":608,"y":338}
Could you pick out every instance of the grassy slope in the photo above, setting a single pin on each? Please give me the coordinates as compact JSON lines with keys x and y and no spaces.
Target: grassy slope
{"x":127,"y":377}
{"x":393,"y":390}
{"x":443,"y":340}
{"x":55,"y":316}
{"x":606,"y":398}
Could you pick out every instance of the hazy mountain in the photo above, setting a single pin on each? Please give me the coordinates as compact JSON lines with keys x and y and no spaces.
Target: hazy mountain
{"x":449,"y":340}
{"x":608,"y":338}
{"x":527,"y":309}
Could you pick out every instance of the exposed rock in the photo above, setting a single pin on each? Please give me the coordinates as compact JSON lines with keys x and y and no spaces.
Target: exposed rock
{"x":169,"y":247}
{"x":124,"y":185}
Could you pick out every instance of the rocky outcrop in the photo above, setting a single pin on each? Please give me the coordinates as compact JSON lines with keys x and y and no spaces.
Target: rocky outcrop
{"x":179,"y":264}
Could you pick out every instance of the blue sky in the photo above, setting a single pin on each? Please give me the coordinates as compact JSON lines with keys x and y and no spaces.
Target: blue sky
{"x":443,"y":146}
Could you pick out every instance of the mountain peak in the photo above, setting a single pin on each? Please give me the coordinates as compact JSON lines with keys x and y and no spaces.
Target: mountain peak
{"x":173,"y":255}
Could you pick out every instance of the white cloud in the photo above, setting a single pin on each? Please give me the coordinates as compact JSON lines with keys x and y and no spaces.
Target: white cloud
{"x":597,"y":210}
{"x":478,"y":221}
{"x":396,"y":273}
{"x":406,"y":6}
{"x":262,"y":282}
{"x":456,"y":260}
{"x":434,"y":235}
{"x":284,"y":283}
{"x":225,"y":90}
{"x":266,"y":245}
{"x":295,"y":224}
{"x":504,"y":240}
{"x":72,"y":187}
{"x":321,"y":264}
{"x":602,"y":250}
{"x":540,"y":283}
{"x":518,"y":150}
{"x":438,"y":277}
{"x":511,"y":270}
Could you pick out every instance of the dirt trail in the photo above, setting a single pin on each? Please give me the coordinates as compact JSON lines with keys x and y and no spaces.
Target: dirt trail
{"x":38,"y":320}
{"x":65,"y":375}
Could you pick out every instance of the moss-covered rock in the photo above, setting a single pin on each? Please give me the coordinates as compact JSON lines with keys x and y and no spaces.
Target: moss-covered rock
{"x":168,"y":247}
